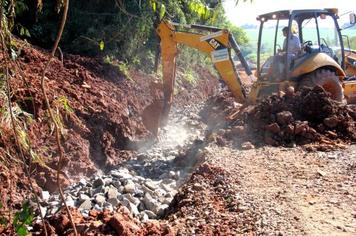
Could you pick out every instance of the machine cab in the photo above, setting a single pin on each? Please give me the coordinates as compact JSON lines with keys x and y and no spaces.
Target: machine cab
{"x":317,"y":32}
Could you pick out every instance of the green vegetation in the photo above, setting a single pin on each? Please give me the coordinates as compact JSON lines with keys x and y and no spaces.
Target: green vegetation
{"x":190,"y":76}
{"x":122,"y":30}
{"x":63,"y":100}
{"x":350,"y":43}
{"x":353,"y":43}
{"x":350,"y":34}
{"x":22,"y":219}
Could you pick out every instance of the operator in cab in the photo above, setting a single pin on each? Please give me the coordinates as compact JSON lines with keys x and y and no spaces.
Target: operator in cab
{"x":294,"y":46}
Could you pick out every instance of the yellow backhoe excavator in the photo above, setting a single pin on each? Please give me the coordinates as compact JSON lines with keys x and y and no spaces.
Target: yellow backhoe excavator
{"x":322,"y":60}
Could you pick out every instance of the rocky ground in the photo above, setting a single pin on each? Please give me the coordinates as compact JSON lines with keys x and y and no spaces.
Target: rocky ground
{"x":261,"y":191}
{"x":287,"y":191}
{"x":217,"y":168}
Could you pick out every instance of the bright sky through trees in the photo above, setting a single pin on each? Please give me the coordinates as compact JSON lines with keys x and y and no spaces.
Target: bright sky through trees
{"x":246,"y":12}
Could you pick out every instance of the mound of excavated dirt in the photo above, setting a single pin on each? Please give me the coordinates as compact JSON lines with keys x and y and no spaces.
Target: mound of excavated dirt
{"x":306,"y":117}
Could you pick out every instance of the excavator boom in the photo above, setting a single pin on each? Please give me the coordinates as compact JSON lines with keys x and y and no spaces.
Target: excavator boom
{"x":217,"y":44}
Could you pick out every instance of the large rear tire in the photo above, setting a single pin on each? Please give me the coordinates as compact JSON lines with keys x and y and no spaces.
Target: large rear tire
{"x":325,"y":79}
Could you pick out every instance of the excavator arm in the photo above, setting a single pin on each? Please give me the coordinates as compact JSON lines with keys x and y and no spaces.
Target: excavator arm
{"x":217,"y":44}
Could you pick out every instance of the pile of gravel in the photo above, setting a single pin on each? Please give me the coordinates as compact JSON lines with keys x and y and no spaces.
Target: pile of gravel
{"x":145,"y":198}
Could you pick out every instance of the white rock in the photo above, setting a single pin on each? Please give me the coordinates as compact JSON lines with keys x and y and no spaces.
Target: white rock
{"x":160,"y":192}
{"x":140,"y":179}
{"x":166,"y":187}
{"x":53,"y":203}
{"x":45,"y":195}
{"x":172,"y":174}
{"x":167,"y":201}
{"x":86,"y":205}
{"x":146,"y":189}
{"x":70,"y":202}
{"x":112,"y":192}
{"x":129,"y":187}
{"x":43,"y":211}
{"x":107,"y":181}
{"x":151,"y":185}
{"x":144,"y":217}
{"x":150,"y":203}
{"x":83,"y":197}
{"x":83,"y":182}
{"x":54,"y":210}
{"x":132,"y":208}
{"x":97,"y":207}
{"x":100,"y":200}
{"x":122,"y":174}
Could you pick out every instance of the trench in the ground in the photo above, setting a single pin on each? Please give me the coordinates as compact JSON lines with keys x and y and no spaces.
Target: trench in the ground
{"x":147,"y":183}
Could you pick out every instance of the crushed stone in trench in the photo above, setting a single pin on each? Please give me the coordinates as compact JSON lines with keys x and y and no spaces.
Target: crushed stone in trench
{"x":145,"y":184}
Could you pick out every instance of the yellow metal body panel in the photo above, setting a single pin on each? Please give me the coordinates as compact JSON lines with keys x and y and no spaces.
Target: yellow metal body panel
{"x":193,"y":40}
{"x":226,"y":68}
{"x":350,"y":91}
{"x":168,"y":52}
{"x":350,"y":63}
{"x":228,"y":74}
{"x":350,"y":86}
{"x":314,"y":62}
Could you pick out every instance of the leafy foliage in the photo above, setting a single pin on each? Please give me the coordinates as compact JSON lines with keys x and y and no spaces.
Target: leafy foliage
{"x":120,"y":29}
{"x":353,"y":43}
{"x":65,"y":104}
{"x":22,"y":219}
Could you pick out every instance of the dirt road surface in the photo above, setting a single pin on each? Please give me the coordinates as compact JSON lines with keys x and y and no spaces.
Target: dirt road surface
{"x":293,"y":192}
{"x":269,"y":191}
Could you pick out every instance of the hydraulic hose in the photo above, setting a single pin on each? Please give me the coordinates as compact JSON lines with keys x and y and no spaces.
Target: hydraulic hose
{"x":237,"y":50}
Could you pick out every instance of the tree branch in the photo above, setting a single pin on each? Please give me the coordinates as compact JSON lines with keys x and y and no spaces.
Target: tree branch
{"x":56,"y":126}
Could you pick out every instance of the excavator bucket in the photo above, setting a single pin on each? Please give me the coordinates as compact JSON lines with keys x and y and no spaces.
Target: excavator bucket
{"x":155,"y":115}
{"x":151,"y":116}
